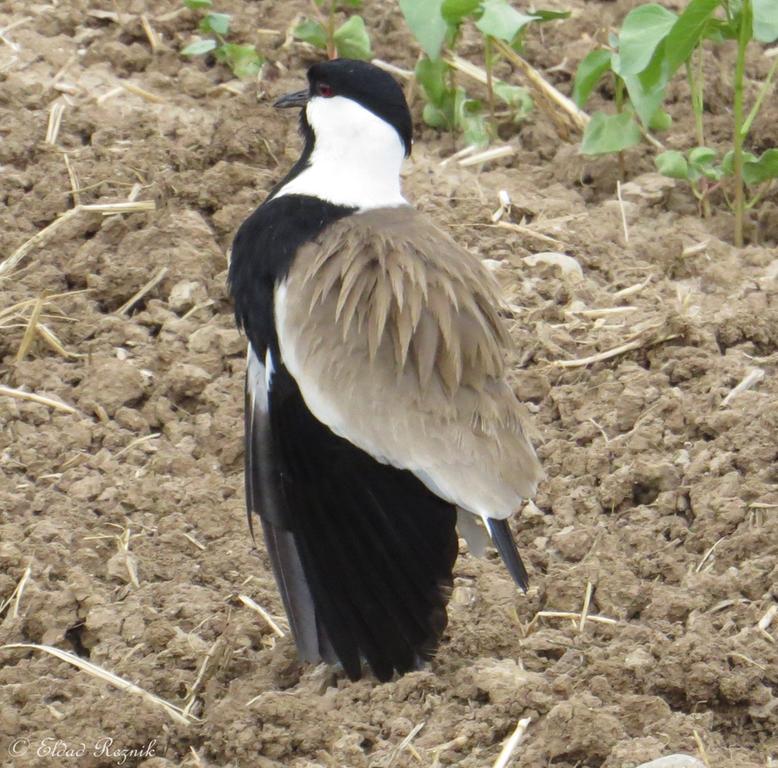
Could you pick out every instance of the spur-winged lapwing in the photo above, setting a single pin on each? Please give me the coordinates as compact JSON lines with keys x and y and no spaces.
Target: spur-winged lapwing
{"x":378,"y":417}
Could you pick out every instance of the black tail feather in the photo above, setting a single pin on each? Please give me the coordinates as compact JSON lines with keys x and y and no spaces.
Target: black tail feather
{"x":376,"y":547}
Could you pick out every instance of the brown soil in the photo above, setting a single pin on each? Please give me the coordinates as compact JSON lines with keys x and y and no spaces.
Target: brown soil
{"x":659,"y":494}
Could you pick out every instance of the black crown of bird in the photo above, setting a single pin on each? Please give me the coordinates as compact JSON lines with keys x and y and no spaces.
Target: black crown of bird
{"x":379,"y":424}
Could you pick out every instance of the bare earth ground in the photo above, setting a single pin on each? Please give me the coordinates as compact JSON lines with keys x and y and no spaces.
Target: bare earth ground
{"x":659,"y":495}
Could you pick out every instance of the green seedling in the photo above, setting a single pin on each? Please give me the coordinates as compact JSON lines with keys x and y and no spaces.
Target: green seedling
{"x":705,"y":173}
{"x":243,"y":60}
{"x":437,"y":26}
{"x":652,"y":45}
{"x":349,"y":40}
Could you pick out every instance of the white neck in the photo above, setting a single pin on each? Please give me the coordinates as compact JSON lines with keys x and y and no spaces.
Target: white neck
{"x":356,"y":157}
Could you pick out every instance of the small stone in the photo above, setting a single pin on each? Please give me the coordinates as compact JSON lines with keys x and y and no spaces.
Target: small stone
{"x":87,"y":488}
{"x":111,"y":384}
{"x":674,"y":761}
{"x":186,"y":380}
{"x":185,"y":294}
{"x":639,"y":659}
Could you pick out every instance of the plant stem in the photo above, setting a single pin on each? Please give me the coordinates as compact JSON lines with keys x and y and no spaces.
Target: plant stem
{"x":696,"y":83}
{"x":760,"y":98}
{"x":489,"y":61}
{"x":744,"y":35}
{"x":618,"y":97}
{"x":760,"y":194}
{"x":698,"y":103}
{"x":331,"y":32}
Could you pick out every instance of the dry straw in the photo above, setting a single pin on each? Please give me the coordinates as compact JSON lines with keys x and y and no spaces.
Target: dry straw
{"x":249,"y":603}
{"x":40,"y":238}
{"x":513,"y":741}
{"x":175,"y":712}
{"x":21,"y":394}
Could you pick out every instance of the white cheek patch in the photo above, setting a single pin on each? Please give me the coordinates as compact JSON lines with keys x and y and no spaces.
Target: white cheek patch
{"x":356,"y":159}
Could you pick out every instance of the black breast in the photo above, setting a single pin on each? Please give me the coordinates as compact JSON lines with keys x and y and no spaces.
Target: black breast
{"x":262,"y":253}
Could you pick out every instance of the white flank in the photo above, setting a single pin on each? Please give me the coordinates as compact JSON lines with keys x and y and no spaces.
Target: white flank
{"x":356,"y":159}
{"x":270,"y":369}
{"x":257,"y":381}
{"x":319,"y":405}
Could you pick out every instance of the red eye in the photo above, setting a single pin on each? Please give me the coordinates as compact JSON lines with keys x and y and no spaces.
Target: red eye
{"x":324,"y":90}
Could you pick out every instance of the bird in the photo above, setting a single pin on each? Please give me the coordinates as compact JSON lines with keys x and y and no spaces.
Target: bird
{"x":379,"y":423}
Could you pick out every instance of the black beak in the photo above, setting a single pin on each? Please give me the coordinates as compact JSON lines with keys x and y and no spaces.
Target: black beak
{"x":296,"y":99}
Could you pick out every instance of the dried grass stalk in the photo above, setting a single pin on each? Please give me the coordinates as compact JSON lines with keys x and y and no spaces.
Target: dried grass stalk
{"x":75,"y":184}
{"x":30,"y":330}
{"x":16,"y":596}
{"x":136,"y":90}
{"x":249,"y":603}
{"x":151,"y":33}
{"x":47,"y":232}
{"x":562,"y":111}
{"x":135,"y":298}
{"x":494,"y":153}
{"x":615,"y":351}
{"x":513,"y":741}
{"x":20,"y":394}
{"x":55,"y":121}
{"x":176,"y":713}
{"x":753,"y":377}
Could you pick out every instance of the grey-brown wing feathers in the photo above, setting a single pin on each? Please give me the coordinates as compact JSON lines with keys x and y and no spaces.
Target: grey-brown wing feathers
{"x":393,"y":334}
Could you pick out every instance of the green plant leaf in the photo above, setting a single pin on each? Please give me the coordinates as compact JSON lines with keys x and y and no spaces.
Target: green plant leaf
{"x":688,"y":31}
{"x":312,"y":32}
{"x":762,"y":169}
{"x":352,"y":3}
{"x":647,"y":89}
{"x":702,"y":163}
{"x":702,"y":156}
{"x":592,"y":67}
{"x":435,"y":117}
{"x":643,"y":30}
{"x":351,"y":39}
{"x":469,"y":118}
{"x":551,"y":15}
{"x":453,"y":11}
{"x":197,"y":5}
{"x":425,"y":21}
{"x":476,"y":130}
{"x":610,"y":133}
{"x":728,"y":161}
{"x":765,"y":25}
{"x":243,"y":60}
{"x":501,"y":21}
{"x":516,"y":97}
{"x":660,"y":121}
{"x":431,"y":74}
{"x":673,"y":164}
{"x":199,"y":47}
{"x":218,"y":23}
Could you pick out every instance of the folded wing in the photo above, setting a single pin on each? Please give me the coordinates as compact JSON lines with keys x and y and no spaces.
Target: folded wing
{"x":392,"y":334}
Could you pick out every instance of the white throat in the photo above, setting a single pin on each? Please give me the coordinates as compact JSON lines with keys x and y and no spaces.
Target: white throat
{"x":356,"y":159}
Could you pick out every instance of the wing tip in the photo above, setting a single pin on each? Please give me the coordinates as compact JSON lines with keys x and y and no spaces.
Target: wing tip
{"x":502,"y":538}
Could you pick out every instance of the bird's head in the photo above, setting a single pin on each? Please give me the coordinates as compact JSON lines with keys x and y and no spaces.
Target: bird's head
{"x":344,"y":90}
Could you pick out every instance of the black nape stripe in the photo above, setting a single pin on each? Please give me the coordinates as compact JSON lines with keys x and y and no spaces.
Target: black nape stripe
{"x":376,"y":546}
{"x":262,"y":253}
